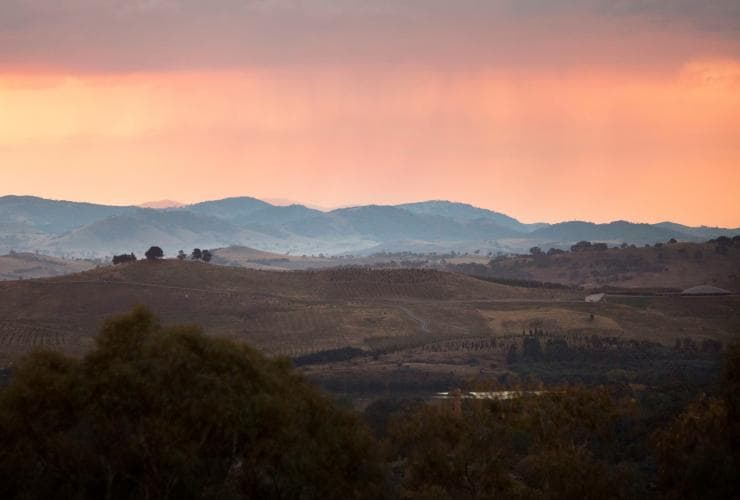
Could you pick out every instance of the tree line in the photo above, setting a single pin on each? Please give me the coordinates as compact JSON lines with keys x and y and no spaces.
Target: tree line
{"x":156,"y":253}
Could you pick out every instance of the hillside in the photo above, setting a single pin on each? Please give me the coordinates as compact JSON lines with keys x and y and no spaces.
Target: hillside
{"x":389,"y":318}
{"x":27,"y":266}
{"x":275,"y":311}
{"x":240,"y":256}
{"x":677,"y":266}
{"x":613,"y":232}
{"x":53,"y":216}
{"x":671,"y":266}
{"x":171,"y":230}
{"x":466,"y":212}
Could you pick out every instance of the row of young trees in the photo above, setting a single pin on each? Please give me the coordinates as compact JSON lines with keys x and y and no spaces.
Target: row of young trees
{"x":168,"y":412}
{"x":155,"y":253}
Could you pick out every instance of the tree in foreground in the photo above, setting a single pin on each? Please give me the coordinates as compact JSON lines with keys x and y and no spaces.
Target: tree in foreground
{"x":197,"y":254}
{"x":155,"y":412}
{"x":206,"y":256}
{"x":154,"y":253}
{"x":181,"y":255}
{"x":698,"y":454}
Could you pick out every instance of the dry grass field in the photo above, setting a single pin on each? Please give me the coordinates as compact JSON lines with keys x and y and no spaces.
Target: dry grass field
{"x":408,"y":321}
{"x":240,"y":256}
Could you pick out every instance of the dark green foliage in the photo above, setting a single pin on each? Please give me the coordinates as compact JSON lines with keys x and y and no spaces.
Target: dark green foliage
{"x":699,"y":452}
{"x":181,"y":255}
{"x":581,"y":246}
{"x":483,"y":273}
{"x":531,"y":348}
{"x":154,"y":253}
{"x":329,"y":356}
{"x":124,"y":258}
{"x":158,"y":412}
{"x":694,"y":454}
{"x":204,"y":255}
{"x":731,"y":379}
{"x":512,"y":356}
{"x":555,"y":359}
{"x":552,"y":445}
{"x":722,"y":241}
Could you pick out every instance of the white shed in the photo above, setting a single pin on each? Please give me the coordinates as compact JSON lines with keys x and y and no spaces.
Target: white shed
{"x":595,"y":297}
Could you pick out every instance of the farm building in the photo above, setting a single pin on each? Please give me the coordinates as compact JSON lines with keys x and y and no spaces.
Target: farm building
{"x":596,"y":297}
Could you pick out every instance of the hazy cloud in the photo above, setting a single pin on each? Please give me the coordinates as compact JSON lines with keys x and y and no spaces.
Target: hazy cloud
{"x":108,"y":35}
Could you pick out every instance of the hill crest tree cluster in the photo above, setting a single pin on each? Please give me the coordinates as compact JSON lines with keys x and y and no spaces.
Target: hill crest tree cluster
{"x":156,"y":253}
{"x":197,"y":254}
{"x":124,"y":258}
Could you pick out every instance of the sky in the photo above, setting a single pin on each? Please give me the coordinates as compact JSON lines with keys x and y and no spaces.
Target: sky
{"x":547,"y":110}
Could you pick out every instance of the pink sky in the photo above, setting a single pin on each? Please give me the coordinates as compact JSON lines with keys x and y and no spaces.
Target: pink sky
{"x":585,"y":112}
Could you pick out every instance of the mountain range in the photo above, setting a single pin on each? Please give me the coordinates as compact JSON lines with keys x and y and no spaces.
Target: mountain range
{"x":66,"y":228}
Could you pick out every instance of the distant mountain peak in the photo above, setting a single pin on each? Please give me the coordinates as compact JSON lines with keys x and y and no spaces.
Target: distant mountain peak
{"x":285,"y":202}
{"x":161,"y":204}
{"x":463,"y":212}
{"x":85,"y":229}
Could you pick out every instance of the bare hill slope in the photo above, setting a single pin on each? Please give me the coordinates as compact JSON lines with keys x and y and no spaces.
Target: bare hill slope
{"x":302,"y":312}
{"x":28,"y":265}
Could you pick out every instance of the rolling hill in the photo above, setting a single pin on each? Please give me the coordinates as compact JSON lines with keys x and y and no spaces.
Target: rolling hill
{"x":613,"y":232}
{"x":667,"y":267}
{"x":466,"y":212}
{"x":64,"y":228}
{"x":676,"y":266}
{"x":53,"y":216}
{"x":373,"y":329}
{"x":276,"y":311}
{"x":171,"y":230}
{"x":18,"y":266}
